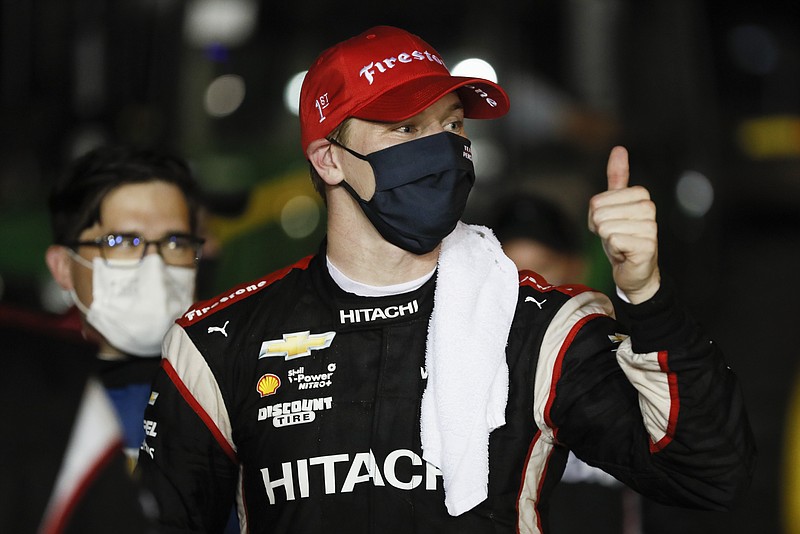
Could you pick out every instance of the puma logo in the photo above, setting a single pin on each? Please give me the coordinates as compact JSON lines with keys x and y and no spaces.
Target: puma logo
{"x":220,"y":329}
{"x":531,"y":299}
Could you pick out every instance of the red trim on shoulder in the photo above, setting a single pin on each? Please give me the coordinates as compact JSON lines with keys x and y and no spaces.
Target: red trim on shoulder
{"x":557,"y":366}
{"x":59,"y":520}
{"x":201,"y":413}
{"x":674,"y":404}
{"x":533,"y":279}
{"x":223,"y":300}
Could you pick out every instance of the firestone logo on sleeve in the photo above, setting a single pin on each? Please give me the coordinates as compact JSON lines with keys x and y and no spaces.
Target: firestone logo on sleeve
{"x":195,"y":313}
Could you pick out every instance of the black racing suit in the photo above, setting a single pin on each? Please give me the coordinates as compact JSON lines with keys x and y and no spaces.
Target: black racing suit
{"x":62,"y":468}
{"x":301,"y":403}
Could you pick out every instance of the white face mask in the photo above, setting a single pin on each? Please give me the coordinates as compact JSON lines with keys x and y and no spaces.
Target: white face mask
{"x":133,"y":307}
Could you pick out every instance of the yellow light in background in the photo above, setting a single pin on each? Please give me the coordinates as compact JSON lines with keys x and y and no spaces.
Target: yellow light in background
{"x":267,"y":205}
{"x":770,"y":137}
{"x":300,"y":217}
{"x":291,"y":93}
{"x":475,"y":68}
{"x":224,"y":95}
{"x":790,"y":470}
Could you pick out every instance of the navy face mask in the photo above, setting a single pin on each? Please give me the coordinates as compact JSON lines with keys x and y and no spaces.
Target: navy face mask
{"x":421,"y":189}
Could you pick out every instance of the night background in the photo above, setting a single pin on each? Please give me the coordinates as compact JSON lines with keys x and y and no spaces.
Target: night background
{"x":705,"y":96}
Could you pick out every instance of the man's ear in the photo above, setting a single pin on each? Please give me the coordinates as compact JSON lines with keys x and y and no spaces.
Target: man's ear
{"x":58,"y":261}
{"x":321,"y":155}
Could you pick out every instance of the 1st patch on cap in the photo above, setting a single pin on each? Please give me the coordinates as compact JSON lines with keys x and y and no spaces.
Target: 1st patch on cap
{"x":321,"y":103}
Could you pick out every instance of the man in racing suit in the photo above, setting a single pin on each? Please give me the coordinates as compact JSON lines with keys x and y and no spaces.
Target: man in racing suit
{"x":326,"y":396}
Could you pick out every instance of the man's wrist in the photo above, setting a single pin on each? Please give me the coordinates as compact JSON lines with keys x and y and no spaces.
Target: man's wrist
{"x":643,"y":294}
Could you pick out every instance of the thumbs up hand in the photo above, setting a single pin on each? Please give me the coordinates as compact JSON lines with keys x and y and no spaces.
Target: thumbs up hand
{"x":625,"y":220}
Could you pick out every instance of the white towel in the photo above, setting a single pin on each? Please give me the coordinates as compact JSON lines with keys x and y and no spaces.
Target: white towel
{"x":467,"y":390}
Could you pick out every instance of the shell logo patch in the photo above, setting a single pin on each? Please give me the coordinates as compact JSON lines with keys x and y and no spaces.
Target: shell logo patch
{"x":268,"y":385}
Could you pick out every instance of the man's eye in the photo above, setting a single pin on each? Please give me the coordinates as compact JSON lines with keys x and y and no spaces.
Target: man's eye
{"x":455,"y":126}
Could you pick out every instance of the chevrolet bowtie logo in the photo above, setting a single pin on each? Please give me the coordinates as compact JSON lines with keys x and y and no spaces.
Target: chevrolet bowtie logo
{"x":295,"y":345}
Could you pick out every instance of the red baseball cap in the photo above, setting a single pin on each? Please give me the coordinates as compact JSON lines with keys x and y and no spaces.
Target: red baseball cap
{"x":385,"y":75}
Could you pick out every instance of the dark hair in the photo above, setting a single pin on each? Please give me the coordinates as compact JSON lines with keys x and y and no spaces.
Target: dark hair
{"x":77,"y":195}
{"x":533,"y":217}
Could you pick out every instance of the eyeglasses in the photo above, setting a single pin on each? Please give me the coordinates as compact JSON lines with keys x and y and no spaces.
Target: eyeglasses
{"x":180,"y":250}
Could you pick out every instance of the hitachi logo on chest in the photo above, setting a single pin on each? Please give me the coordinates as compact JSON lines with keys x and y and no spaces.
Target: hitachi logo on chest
{"x":293,"y":478}
{"x":365,"y":315}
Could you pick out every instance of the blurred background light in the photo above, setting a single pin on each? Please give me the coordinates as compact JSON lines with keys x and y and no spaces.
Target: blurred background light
{"x":224,"y":95}
{"x":291,"y":93}
{"x":753,"y":49}
{"x":225,"y":22}
{"x":300,"y":217}
{"x":694,"y":193}
{"x":476,"y":68}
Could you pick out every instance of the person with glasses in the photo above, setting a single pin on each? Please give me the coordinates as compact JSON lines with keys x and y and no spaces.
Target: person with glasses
{"x":126,"y":248}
